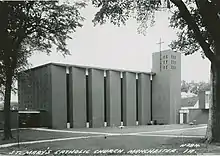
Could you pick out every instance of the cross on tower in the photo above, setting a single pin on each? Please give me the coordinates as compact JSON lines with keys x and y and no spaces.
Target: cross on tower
{"x":160,"y":43}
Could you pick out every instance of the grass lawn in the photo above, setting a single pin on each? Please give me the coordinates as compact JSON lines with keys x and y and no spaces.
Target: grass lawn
{"x":124,"y":142}
{"x":31,"y":135}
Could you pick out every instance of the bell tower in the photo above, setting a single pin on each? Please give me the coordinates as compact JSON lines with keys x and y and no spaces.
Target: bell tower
{"x":166,"y":86}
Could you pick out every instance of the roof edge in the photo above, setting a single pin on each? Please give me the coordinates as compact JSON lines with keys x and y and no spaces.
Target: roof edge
{"x":90,"y":67}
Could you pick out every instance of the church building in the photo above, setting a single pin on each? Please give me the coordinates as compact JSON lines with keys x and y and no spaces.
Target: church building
{"x":81,"y":96}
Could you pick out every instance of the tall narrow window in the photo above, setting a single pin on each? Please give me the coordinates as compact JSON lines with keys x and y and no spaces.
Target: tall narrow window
{"x":137,"y":100}
{"x":67,"y":98}
{"x":105,"y":105}
{"x":121,"y":99}
{"x":87,"y":98}
{"x":151,"y":99}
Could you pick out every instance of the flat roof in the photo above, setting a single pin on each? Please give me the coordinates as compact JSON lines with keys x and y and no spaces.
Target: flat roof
{"x":90,"y":67}
{"x":166,"y":50}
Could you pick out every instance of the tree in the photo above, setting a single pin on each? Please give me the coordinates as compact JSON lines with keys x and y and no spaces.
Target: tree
{"x":184,"y":86}
{"x":28,"y":26}
{"x":198,"y":24}
{"x":195,"y":87}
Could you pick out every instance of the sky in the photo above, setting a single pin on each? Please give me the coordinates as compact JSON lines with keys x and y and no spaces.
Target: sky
{"x":122,"y":47}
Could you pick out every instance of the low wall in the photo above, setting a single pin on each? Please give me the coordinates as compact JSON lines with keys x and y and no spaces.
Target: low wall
{"x":14,"y":119}
{"x":200,"y":115}
{"x":44,"y":122}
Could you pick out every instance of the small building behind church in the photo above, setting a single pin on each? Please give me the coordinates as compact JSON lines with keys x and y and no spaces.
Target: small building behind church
{"x":195,"y":109}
